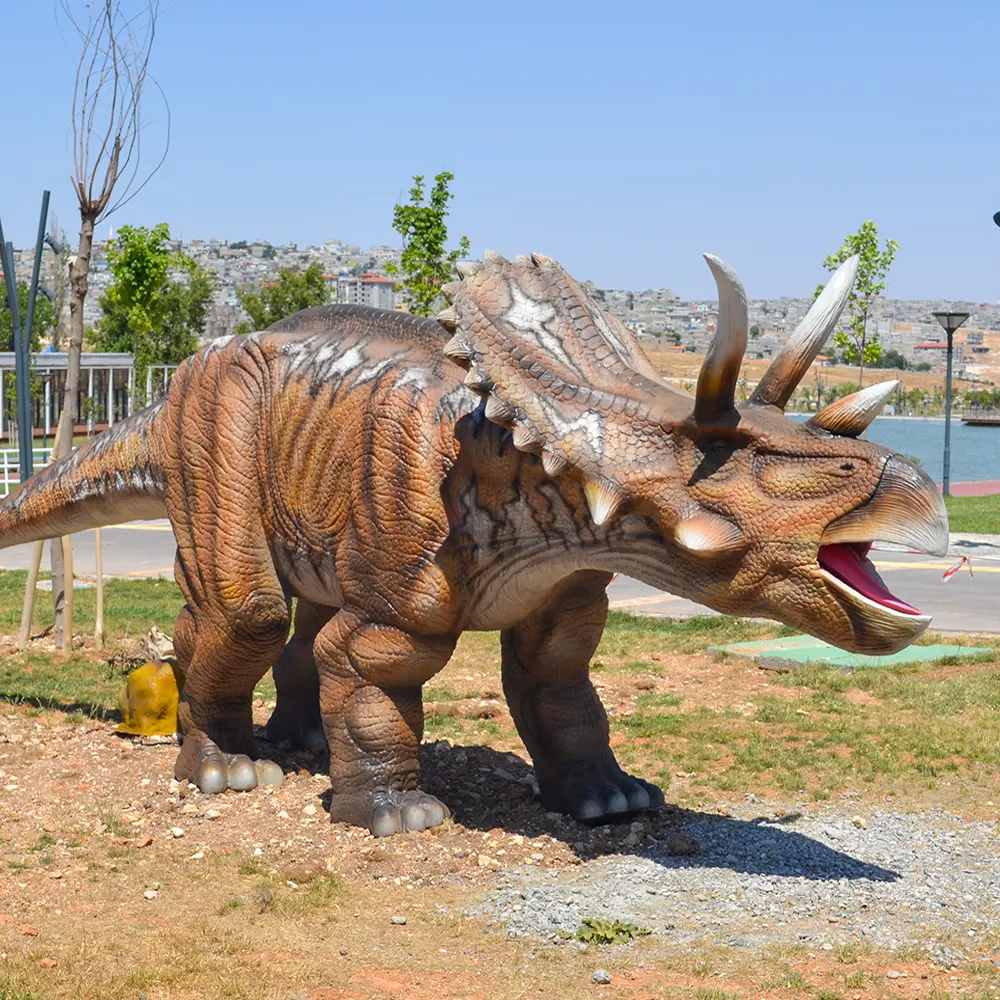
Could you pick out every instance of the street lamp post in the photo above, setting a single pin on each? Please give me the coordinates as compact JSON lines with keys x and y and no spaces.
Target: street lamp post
{"x":951,"y":321}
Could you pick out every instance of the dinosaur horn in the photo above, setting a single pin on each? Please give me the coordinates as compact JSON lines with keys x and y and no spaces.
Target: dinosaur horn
{"x":849,"y":416}
{"x":787,"y":369}
{"x":717,"y":380}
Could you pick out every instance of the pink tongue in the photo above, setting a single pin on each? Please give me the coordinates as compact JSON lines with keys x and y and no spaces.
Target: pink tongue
{"x":844,"y":562}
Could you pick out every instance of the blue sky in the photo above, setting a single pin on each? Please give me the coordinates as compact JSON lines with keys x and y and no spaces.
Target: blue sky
{"x":624,"y":139}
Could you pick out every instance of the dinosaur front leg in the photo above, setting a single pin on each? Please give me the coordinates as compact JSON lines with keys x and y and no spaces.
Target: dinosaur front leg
{"x":546,"y":661}
{"x":223,"y":656}
{"x":296,"y":716}
{"x":370,"y":677}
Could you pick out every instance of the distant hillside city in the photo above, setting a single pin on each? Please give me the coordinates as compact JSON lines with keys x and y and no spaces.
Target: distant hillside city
{"x":357,"y":275}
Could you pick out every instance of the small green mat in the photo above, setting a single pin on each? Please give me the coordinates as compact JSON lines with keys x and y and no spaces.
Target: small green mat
{"x":798,"y":649}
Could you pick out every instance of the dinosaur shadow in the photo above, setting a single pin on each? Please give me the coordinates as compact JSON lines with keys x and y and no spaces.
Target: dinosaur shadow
{"x":488,"y":790}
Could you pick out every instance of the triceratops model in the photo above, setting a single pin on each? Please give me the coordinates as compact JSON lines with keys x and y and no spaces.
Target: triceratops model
{"x":408,"y":479}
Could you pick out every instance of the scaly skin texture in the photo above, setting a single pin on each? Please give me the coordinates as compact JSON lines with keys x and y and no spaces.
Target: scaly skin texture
{"x":343,"y":457}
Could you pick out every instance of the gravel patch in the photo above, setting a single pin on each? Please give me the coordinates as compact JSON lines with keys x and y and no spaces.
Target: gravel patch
{"x":831,"y":877}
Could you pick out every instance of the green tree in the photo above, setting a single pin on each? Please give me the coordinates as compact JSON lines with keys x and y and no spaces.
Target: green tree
{"x":425,"y":263}
{"x":238,"y":245}
{"x":293,"y":290}
{"x":858,"y":347}
{"x":891,"y":359}
{"x":41,"y":325}
{"x":157,"y":305}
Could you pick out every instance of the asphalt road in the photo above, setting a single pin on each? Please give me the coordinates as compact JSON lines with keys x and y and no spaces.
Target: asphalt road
{"x":965,"y":603}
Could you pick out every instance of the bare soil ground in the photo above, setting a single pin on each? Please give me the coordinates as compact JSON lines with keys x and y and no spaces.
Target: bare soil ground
{"x":116,"y":882}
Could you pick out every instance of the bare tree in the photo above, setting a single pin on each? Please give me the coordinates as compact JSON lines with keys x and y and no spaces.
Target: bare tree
{"x":111,"y":79}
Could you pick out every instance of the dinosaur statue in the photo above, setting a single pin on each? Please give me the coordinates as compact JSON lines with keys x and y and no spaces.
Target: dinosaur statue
{"x":344,"y":457}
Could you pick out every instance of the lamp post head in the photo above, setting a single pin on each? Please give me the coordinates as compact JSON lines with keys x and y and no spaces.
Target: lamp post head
{"x":996,"y":218}
{"x":951,"y":321}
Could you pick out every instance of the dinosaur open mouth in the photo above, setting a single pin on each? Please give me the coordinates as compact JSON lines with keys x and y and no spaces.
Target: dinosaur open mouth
{"x":848,"y":562}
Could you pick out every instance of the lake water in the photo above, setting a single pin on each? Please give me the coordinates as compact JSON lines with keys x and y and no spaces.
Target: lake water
{"x":975,"y":451}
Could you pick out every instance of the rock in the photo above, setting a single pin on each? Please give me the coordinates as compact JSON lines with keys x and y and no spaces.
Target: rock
{"x":680,"y":846}
{"x":189,"y":810}
{"x":893,"y":974}
{"x":29,"y":930}
{"x":143,"y":842}
{"x":197,"y":856}
{"x":309,"y":810}
{"x":632,"y":840}
{"x":47,"y":963}
{"x":860,"y":822}
{"x":601,"y":977}
{"x":150,"y":894}
{"x":176,"y":832}
{"x":212,"y":814}
{"x":399,"y":921}
{"x":344,"y":951}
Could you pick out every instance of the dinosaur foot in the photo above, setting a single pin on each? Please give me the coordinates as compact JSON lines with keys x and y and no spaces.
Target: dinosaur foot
{"x":213,"y":771}
{"x":597,"y":792}
{"x":302,"y":733}
{"x":387,"y":811}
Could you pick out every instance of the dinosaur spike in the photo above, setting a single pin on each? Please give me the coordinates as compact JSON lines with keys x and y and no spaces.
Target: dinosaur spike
{"x":491,"y":257}
{"x":468,"y":268}
{"x":458,"y":348}
{"x":541,"y":260}
{"x":477,"y":381}
{"x":527,"y":438}
{"x":554,"y":462}
{"x":603,"y":498}
{"x":448,"y":318}
{"x":499,"y":411}
{"x":708,"y":534}
{"x":785,"y":372}
{"x":450,"y":290}
{"x":849,"y":416}
{"x":717,"y":380}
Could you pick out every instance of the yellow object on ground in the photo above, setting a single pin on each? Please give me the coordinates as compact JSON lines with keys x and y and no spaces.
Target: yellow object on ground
{"x":148,"y":701}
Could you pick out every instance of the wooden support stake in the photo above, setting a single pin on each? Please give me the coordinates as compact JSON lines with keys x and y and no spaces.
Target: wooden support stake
{"x":99,"y":626}
{"x":28,"y":610}
{"x":67,"y":548}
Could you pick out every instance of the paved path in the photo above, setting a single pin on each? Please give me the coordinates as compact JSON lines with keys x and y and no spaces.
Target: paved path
{"x":981,"y":488}
{"x":965,"y":603}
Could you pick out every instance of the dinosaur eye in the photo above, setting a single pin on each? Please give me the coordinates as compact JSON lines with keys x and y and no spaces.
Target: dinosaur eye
{"x":846,"y":468}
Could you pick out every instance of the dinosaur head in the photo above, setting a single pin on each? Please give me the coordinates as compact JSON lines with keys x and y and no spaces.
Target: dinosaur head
{"x":739,"y":508}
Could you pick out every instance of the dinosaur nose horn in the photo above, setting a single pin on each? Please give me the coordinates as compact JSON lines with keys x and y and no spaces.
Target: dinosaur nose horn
{"x":716,"y":393}
{"x":905,"y":508}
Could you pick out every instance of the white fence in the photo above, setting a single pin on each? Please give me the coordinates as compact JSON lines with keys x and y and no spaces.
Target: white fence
{"x":12,"y":466}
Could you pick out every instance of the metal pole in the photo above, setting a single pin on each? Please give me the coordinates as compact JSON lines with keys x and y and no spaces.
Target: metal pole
{"x":20,"y":373}
{"x":946,"y":479}
{"x":35,"y":268}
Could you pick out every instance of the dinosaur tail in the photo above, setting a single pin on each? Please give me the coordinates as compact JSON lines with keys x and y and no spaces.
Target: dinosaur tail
{"x":111,"y":479}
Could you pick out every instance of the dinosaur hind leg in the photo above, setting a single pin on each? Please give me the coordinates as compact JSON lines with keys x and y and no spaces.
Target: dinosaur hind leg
{"x":370,"y":677}
{"x":224,"y":652}
{"x":546,"y":662}
{"x":296,"y":716}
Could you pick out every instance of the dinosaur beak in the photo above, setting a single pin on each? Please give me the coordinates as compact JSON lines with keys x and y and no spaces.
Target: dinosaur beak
{"x":906,"y":509}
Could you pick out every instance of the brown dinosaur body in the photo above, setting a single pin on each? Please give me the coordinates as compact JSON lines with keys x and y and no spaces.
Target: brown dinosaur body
{"x":345,"y":458}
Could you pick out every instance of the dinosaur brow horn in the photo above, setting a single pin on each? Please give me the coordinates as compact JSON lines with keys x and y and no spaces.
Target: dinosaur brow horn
{"x":716,"y":392}
{"x":787,"y":369}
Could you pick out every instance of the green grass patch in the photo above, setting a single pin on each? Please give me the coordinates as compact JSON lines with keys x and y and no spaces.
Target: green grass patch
{"x":832,"y":731}
{"x":978,"y":515}
{"x":131,"y":607}
{"x":597,"y":930}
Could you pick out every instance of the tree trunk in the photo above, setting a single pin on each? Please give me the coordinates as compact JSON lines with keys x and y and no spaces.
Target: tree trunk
{"x":79,"y":274}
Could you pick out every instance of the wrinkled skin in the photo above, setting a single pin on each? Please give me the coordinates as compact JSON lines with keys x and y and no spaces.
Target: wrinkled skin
{"x":340,"y":459}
